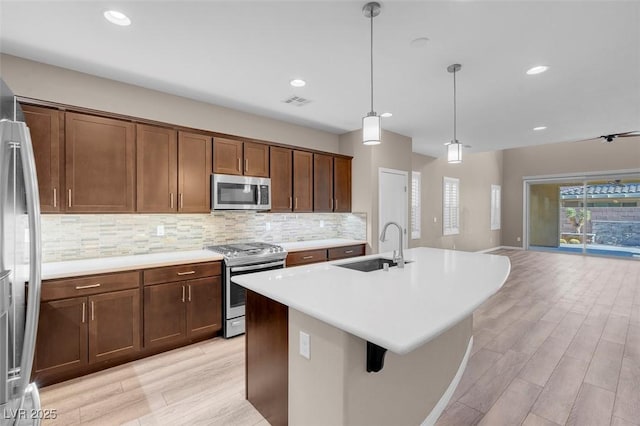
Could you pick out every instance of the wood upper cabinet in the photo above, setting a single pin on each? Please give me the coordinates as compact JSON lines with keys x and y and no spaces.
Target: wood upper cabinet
{"x":322,"y":183}
{"x":235,"y":157}
{"x":204,"y":306}
{"x":281,"y":179}
{"x":302,"y":181}
{"x":61,"y":343}
{"x":157,"y":169}
{"x":99,"y":163}
{"x":342,"y":184}
{"x":45,"y":126}
{"x":114,"y":324}
{"x":194,"y":173}
{"x":164,"y":314}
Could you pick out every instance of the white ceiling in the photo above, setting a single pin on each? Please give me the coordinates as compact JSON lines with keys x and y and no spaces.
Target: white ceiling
{"x":242,"y":54}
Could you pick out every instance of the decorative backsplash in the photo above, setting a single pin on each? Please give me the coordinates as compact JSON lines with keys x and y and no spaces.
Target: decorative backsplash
{"x":69,"y":237}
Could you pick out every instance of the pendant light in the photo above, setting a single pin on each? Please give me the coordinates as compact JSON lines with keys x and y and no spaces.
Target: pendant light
{"x":371,"y":132}
{"x":454,"y":148}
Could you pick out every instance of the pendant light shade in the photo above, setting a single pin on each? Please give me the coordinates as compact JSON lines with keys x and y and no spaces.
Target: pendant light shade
{"x":371,"y":131}
{"x":454,"y":148}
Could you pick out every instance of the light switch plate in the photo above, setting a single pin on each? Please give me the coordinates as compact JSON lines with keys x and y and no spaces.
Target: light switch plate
{"x":305,"y":349}
{"x":160,"y":230}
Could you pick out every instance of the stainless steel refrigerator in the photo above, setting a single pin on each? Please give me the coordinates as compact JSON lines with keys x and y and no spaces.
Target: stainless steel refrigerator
{"x":19,"y":265}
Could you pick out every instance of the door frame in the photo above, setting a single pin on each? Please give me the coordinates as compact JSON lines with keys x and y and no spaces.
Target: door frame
{"x":381,"y":170}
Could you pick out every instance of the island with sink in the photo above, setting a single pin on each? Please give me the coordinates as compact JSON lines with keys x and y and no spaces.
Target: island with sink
{"x":373,"y":340}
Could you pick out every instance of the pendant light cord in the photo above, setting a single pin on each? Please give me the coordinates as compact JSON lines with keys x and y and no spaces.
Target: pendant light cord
{"x":371,"y":51}
{"x":455,"y":139}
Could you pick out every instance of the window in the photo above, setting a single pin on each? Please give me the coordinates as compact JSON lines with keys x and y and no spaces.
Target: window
{"x":415,"y":205}
{"x":451,"y":206}
{"x":495,"y":207}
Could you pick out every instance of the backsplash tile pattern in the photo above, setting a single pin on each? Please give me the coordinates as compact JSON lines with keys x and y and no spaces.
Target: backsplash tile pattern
{"x":69,"y":237}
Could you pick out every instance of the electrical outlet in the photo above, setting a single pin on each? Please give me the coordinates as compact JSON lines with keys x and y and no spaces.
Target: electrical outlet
{"x":160,"y":230}
{"x":305,"y":345}
{"x":518,"y":239}
{"x":267,"y":226}
{"x":435,"y":219}
{"x":322,"y":224}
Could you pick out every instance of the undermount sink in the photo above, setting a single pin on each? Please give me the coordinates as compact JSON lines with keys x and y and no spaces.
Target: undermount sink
{"x":370,"y":265}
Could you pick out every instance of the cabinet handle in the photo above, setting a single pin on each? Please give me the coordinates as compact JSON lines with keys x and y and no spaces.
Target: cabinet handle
{"x":171,"y":199}
{"x":336,"y":204}
{"x":239,"y":166}
{"x":181,"y":200}
{"x":82,"y":287}
{"x":69,"y":197}
{"x":348,"y":252}
{"x":307,"y":257}
{"x":92,"y":311}
{"x":246,"y":164}
{"x":189,"y":292}
{"x":296,"y":203}
{"x":183,"y":294}
{"x":332,"y":204}
{"x":186,"y":273}
{"x":84,"y":310}
{"x":55,"y":197}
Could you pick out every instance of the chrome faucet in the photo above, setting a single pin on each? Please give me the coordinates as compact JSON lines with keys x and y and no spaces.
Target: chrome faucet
{"x":400,"y":258}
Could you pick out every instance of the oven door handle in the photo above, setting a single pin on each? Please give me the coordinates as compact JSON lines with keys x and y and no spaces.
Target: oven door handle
{"x":256,"y":267}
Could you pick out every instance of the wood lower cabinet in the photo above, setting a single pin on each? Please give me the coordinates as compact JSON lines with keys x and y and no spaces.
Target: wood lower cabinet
{"x":302,"y":181}
{"x":322,"y":183}
{"x":46,"y":127}
{"x":307,"y":257}
{"x":157,"y":169}
{"x":194,"y":173}
{"x":183,"y":310}
{"x":98,"y":325}
{"x":99,"y":164}
{"x":281,"y":179}
{"x":342,"y":184}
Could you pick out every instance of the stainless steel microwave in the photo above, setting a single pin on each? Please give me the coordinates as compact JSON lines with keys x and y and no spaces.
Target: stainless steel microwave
{"x":230,"y":192}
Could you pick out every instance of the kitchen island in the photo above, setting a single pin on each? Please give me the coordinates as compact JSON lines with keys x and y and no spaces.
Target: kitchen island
{"x":410,"y":327}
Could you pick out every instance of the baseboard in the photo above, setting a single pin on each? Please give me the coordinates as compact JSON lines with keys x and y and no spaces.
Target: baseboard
{"x":499,"y":248}
{"x":512,"y":247}
{"x":444,"y":400}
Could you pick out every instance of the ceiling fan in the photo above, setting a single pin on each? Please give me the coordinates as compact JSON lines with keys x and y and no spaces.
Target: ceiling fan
{"x":612,"y":136}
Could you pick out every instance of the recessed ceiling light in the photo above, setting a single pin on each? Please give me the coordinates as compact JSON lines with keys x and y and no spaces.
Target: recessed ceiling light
{"x":539,"y":128}
{"x":117,"y":18}
{"x":419,"y":42}
{"x":298,"y":82}
{"x":386,"y":114}
{"x":537,"y":69}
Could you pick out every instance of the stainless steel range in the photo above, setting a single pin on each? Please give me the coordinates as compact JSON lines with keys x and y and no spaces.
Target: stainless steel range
{"x":242,"y":259}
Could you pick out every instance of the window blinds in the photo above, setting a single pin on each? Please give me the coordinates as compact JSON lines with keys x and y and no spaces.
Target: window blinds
{"x":495,"y":207}
{"x":451,"y":206}
{"x":415,"y":205}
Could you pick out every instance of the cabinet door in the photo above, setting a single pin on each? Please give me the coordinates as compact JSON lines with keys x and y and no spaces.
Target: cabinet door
{"x":44,"y":126}
{"x":342,"y":184}
{"x":256,"y":159}
{"x":204,"y":311}
{"x":227,"y":156}
{"x":302,"y":181}
{"x":62,"y":336}
{"x":322,"y":183}
{"x":100,"y":164}
{"x":157,"y":169}
{"x":281,"y":179}
{"x":194,"y":173}
{"x":114,"y":324}
{"x":164,"y":314}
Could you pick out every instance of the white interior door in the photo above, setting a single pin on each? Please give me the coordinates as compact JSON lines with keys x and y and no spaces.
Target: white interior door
{"x":392,"y":206}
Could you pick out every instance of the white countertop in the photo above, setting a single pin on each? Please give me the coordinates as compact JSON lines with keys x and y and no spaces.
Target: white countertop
{"x":401,"y":309}
{"x":75,"y":268}
{"x":319,"y":244}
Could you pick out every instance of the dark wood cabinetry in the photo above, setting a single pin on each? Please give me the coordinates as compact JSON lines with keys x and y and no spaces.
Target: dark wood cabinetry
{"x":322,"y":183}
{"x":46,"y":127}
{"x":89,"y":324}
{"x":281,"y":179}
{"x":99,"y":164}
{"x":235,"y":157}
{"x":306,"y":257}
{"x":182,"y":310}
{"x":302,"y":181}
{"x":194,"y":173}
{"x":342,"y":184}
{"x":157,"y":169}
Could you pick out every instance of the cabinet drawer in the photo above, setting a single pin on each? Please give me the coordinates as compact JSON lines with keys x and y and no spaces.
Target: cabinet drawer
{"x":306,"y":257}
{"x":344,"y":252}
{"x":181,"y":272}
{"x":84,"y":286}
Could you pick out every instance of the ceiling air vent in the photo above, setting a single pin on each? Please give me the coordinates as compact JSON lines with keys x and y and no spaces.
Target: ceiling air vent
{"x":296,"y":101}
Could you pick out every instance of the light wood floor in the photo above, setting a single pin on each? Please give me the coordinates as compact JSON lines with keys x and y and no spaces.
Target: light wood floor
{"x":559,"y":344}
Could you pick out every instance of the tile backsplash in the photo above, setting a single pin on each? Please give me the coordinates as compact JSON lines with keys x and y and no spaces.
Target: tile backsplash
{"x":69,"y":237}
